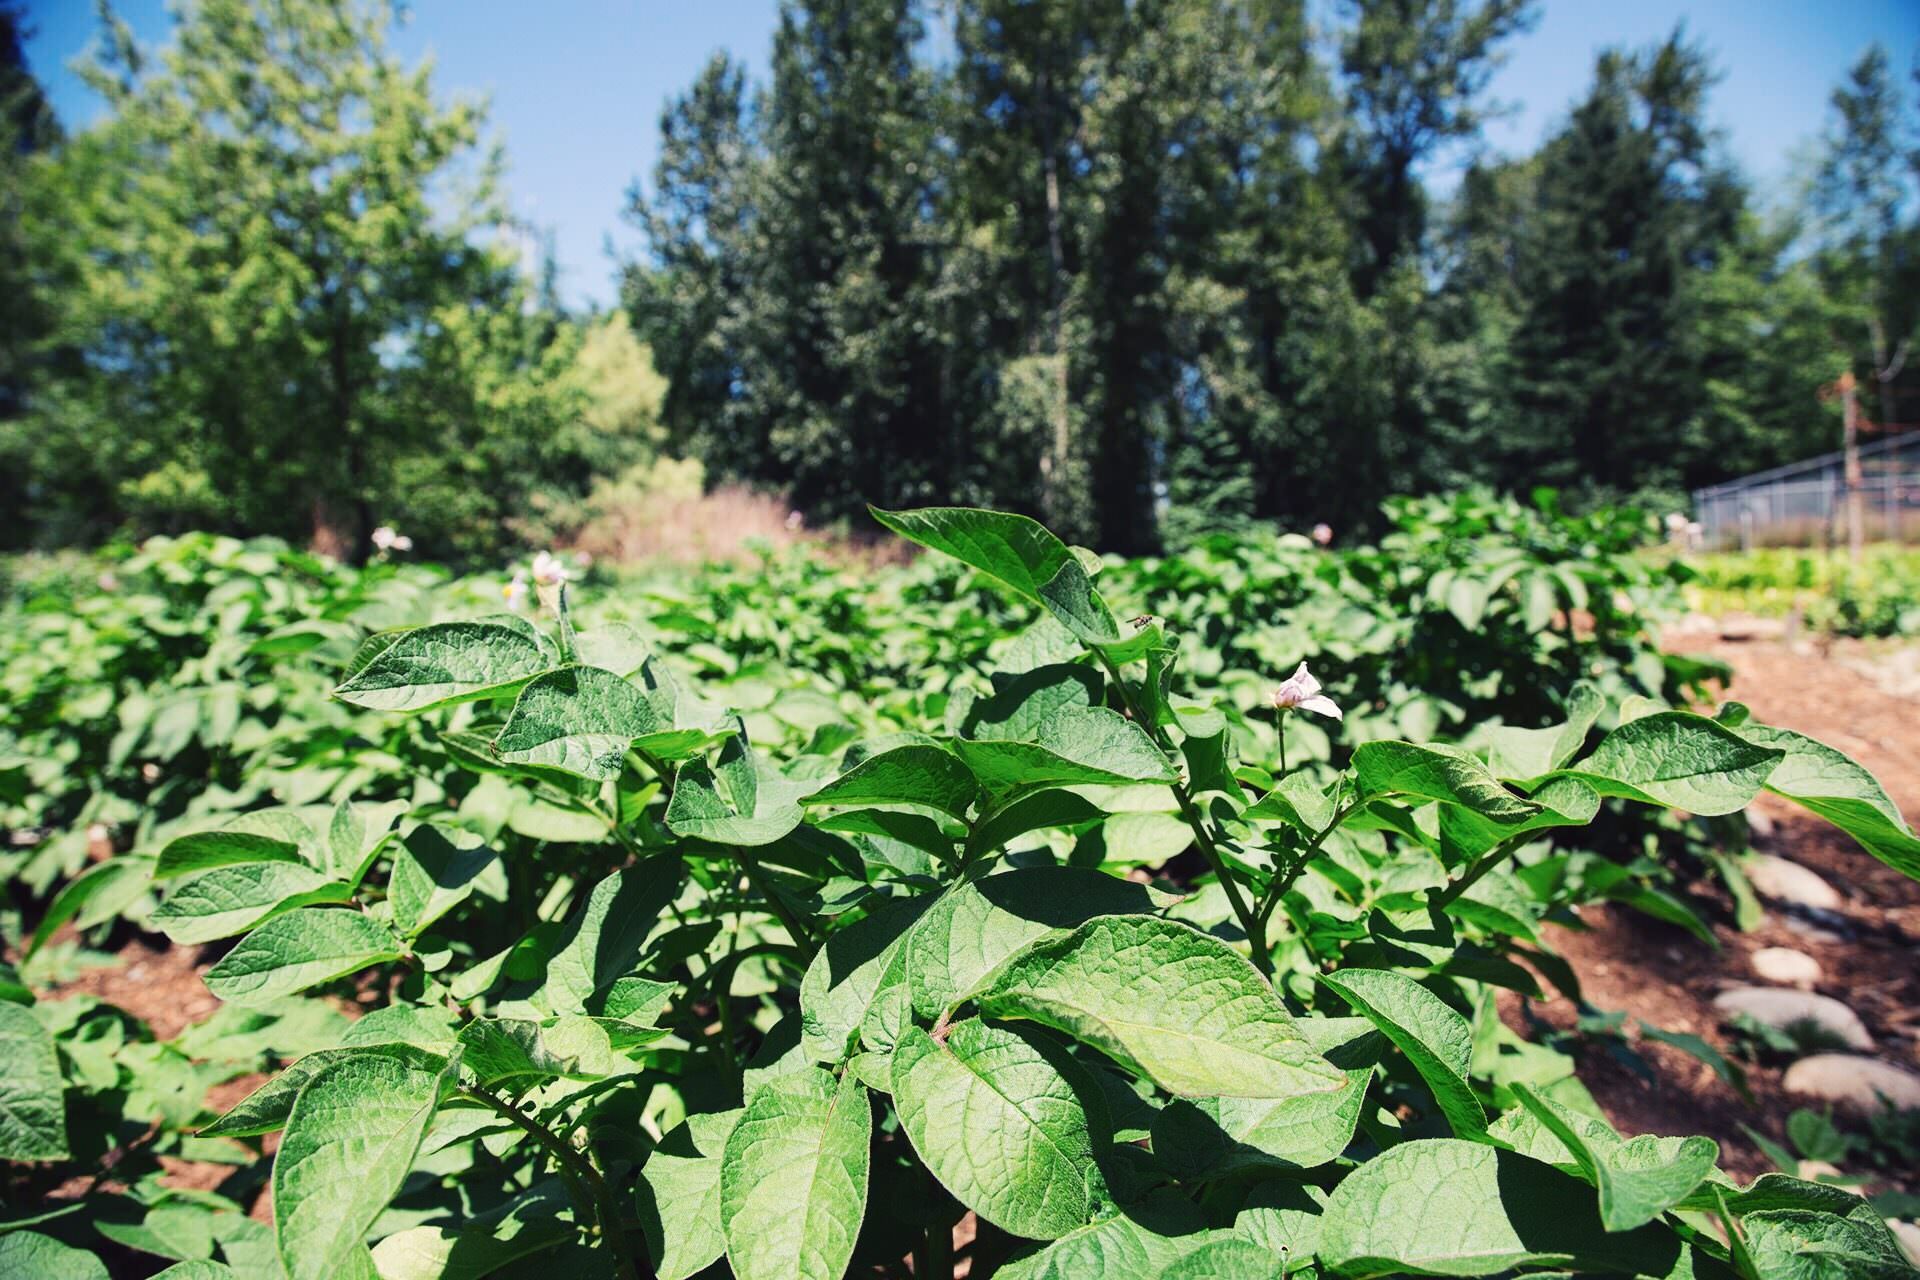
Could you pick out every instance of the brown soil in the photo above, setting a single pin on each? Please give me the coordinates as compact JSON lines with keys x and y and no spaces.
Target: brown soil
{"x":1662,"y":975}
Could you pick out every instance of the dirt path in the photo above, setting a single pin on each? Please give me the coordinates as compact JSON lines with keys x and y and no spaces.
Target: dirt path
{"x":1852,"y":698}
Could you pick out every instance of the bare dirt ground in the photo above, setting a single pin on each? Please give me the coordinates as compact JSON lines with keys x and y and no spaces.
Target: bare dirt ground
{"x":1858,"y":699}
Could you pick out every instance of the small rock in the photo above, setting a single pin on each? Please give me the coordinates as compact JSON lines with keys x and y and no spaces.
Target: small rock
{"x":1779,"y":1008}
{"x":1813,"y":932}
{"x":1759,"y":825}
{"x":1775,"y":877}
{"x":1909,"y":1237}
{"x":1814,"y":1170}
{"x":1786,"y":966}
{"x":1854,"y":1081}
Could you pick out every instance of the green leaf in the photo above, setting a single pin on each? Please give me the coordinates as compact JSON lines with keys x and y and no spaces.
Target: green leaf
{"x":1638,"y":1179}
{"x":1036,"y":811}
{"x":844,"y":979}
{"x":474,"y":1252}
{"x":1076,"y":746}
{"x":444,"y":664}
{"x":996,"y":1119}
{"x":1214,"y":1137}
{"x":740,"y":800}
{"x":33,"y":1116}
{"x":298,"y":950}
{"x":267,"y":1108}
{"x":1437,"y":1040}
{"x":350,"y":1142}
{"x":1135,"y":1244}
{"x":1020,"y":554}
{"x":230,"y":900}
{"x":28,"y":1255}
{"x":1447,"y":1207}
{"x":1795,"y":1244}
{"x":435,"y":869}
{"x":1021,"y":704}
{"x":1228,"y":1259}
{"x":919,"y":775}
{"x":680,"y":1195}
{"x":525,"y":1053}
{"x":603,"y":940}
{"x":1450,"y":775}
{"x":1679,"y":759}
{"x":584,"y":721}
{"x":793,"y":1183}
{"x":1167,"y":1002}
{"x":975,"y":927}
{"x":1825,"y":782}
{"x":205,"y":850}
{"x":1525,"y":754}
{"x":96,"y":895}
{"x":200,"y":1269}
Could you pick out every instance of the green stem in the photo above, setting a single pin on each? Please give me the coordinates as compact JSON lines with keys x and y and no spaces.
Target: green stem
{"x":1280,"y":729}
{"x":937,"y":1256}
{"x":1250,"y":923}
{"x":605,"y":1208}
{"x":1488,"y":861}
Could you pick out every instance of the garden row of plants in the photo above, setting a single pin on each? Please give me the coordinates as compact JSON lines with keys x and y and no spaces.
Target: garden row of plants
{"x":771,"y":920}
{"x":1825,"y":590}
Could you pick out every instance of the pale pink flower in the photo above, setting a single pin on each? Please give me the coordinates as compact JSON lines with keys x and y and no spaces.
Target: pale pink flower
{"x":1322,"y":534}
{"x":549,"y":570}
{"x":1303,"y":691}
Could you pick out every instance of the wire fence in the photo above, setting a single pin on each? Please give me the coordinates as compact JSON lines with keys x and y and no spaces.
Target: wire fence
{"x":1804,"y":503}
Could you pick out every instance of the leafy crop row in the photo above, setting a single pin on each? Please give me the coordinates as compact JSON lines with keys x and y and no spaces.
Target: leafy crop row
{"x":770,"y":928}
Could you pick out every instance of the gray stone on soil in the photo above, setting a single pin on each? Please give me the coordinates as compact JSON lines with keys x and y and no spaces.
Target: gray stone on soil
{"x":1853,"y":1081}
{"x":1786,"y":967}
{"x":1759,"y":825}
{"x":1785,"y":881}
{"x":1780,"y":1009}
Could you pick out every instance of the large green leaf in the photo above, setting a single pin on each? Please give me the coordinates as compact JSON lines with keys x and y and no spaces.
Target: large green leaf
{"x":584,"y":721}
{"x":1447,"y":1207}
{"x":680,"y":1195}
{"x":1214,"y":1137}
{"x":1435,"y":1038}
{"x":521,"y":1052}
{"x":1679,"y":759}
{"x":1797,"y":1244}
{"x":928,"y":776}
{"x":205,"y":850}
{"x":1019,"y":553}
{"x":267,"y":1108}
{"x":793,"y":1182}
{"x":1449,"y":775}
{"x":233,"y":899}
{"x":603,"y":939}
{"x":28,"y":1255}
{"x":33,"y":1116}
{"x":1818,"y":778}
{"x":1021,"y":704}
{"x":841,"y":984}
{"x":995,"y":1117}
{"x":435,"y":869}
{"x":975,"y":927}
{"x":446,"y":663}
{"x":298,"y":950}
{"x":1638,"y":1179}
{"x":350,"y":1142}
{"x":1166,"y":1001}
{"x":1076,"y":746}
{"x":740,"y":800}
{"x":1134,"y":1244}
{"x":1525,"y":754}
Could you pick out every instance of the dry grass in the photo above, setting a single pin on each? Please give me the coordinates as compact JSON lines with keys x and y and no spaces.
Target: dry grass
{"x":731,"y":524}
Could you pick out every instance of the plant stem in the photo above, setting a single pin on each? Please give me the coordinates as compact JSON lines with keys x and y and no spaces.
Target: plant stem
{"x":1250,"y":923}
{"x":937,"y":1255}
{"x":606,"y":1209}
{"x":1280,"y":731}
{"x":1488,"y":861}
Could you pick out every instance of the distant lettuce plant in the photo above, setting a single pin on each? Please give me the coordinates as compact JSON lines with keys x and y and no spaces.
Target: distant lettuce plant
{"x":795,"y":1018}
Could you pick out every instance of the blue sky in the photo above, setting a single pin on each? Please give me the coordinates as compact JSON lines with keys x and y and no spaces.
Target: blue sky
{"x":577,"y":85}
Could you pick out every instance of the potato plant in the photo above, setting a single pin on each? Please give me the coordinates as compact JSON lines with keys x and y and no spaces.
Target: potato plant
{"x":802,"y":1017}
